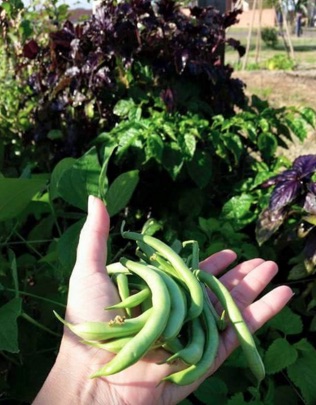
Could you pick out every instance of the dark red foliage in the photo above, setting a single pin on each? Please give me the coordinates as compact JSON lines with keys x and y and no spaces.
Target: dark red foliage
{"x":88,"y":63}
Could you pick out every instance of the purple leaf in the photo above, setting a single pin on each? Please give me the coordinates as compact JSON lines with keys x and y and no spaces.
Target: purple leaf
{"x":31,"y":49}
{"x":284,"y":193}
{"x":305,"y":165}
{"x":311,"y":186}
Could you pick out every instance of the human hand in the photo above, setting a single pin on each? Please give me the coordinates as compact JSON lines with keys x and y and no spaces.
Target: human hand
{"x":90,"y":290}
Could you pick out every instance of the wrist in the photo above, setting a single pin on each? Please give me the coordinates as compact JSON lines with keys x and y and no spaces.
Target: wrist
{"x":64,"y":383}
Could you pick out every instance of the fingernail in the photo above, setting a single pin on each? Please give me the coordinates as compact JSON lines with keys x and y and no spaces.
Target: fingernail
{"x":91,"y":200}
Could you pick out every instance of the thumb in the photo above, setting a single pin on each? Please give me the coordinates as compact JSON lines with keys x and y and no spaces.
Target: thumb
{"x":92,"y":246}
{"x":90,"y":288}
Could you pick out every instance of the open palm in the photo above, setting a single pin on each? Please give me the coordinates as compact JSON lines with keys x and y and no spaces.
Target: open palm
{"x":90,"y":290}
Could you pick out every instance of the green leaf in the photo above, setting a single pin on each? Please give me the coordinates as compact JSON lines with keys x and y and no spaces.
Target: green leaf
{"x":279,"y":355}
{"x":298,"y":127}
{"x":81,"y":180}
{"x":309,"y":114}
{"x":187,"y":144}
{"x":267,"y":144}
{"x":123,"y":107}
{"x":154,"y":147}
{"x":238,"y":209}
{"x":172,"y":159}
{"x":57,"y":174}
{"x":16,"y":194}
{"x":200,"y":168}
{"x":120,"y":191}
{"x":234,"y":145}
{"x":287,"y":321}
{"x":302,"y":372}
{"x":213,"y":388}
{"x":9,"y":327}
{"x":67,"y":246}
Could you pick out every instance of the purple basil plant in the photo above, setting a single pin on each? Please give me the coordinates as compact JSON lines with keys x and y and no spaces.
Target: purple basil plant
{"x":294,"y":194}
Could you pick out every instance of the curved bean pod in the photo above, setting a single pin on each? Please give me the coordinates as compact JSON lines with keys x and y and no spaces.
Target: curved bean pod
{"x":153,"y":328}
{"x":119,"y":327}
{"x":243,"y":333}
{"x":113,"y":345}
{"x":178,"y":307}
{"x":123,"y":289}
{"x":133,"y":300}
{"x":193,"y":286}
{"x":192,"y":373}
{"x":193,"y":351}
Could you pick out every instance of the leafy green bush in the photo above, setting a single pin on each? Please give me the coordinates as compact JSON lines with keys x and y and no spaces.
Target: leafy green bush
{"x":270,"y":37}
{"x":154,"y":140}
{"x":280,"y":62}
{"x":144,"y":52}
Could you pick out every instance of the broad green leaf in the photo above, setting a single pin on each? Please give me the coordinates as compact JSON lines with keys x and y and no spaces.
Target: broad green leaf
{"x":9,"y":327}
{"x":302,"y":372}
{"x":287,"y":321}
{"x":16,"y":194}
{"x":279,"y":355}
{"x":172,"y":159}
{"x":120,"y":191}
{"x":298,"y":127}
{"x":234,"y":145}
{"x":57,"y":174}
{"x":238,"y":209}
{"x":187,"y":144}
{"x":67,"y":246}
{"x":154,"y":147}
{"x":309,"y":114}
{"x":123,"y":107}
{"x":209,"y":225}
{"x":127,"y":138}
{"x":264,"y":124}
{"x":81,"y":180}
{"x":200,"y":168}
{"x":213,"y":388}
{"x":267,"y":144}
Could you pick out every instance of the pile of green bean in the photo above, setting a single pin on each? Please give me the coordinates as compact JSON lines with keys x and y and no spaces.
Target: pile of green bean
{"x":165,"y":304}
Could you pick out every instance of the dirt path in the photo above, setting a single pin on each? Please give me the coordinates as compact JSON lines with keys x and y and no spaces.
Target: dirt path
{"x":295,"y":88}
{"x":281,"y":87}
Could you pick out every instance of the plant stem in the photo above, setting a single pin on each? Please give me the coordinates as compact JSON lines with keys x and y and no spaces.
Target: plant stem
{"x":37,"y":297}
{"x":38,"y":324}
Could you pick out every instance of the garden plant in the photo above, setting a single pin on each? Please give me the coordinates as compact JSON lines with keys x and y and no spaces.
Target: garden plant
{"x":136,"y":105}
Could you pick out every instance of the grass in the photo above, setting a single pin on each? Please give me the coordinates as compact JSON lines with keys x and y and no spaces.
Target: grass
{"x":304,"y":50}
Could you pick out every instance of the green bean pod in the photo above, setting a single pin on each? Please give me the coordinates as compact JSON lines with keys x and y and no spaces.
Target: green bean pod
{"x":173,"y":345}
{"x":243,"y":333}
{"x":192,"y":373}
{"x":133,"y":300}
{"x":193,"y":351}
{"x":141,"y":343}
{"x":113,"y":345}
{"x":178,"y":307}
{"x":116,"y":328}
{"x":192,"y":285}
{"x":123,"y":289}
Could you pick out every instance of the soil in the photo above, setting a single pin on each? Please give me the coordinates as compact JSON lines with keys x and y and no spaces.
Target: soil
{"x":282,"y":87}
{"x":285,"y":88}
